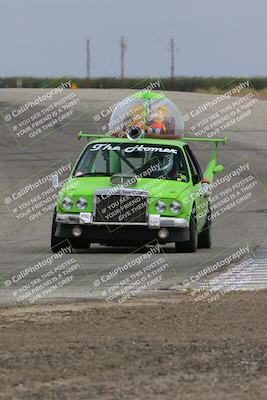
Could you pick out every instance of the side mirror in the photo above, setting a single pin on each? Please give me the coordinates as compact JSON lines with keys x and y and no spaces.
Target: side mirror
{"x":218,"y":169}
{"x":206,"y":187}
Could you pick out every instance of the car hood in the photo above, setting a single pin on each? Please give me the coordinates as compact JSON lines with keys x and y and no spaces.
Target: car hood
{"x":86,"y":186}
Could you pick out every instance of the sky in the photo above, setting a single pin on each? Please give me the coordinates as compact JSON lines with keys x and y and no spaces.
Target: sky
{"x":212,"y":37}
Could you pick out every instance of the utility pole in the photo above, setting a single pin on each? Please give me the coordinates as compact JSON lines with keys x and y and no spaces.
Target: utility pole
{"x":88,"y":59}
{"x":123,"y":46}
{"x":172,"y":60}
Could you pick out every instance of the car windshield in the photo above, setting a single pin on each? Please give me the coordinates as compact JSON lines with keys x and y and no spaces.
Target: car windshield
{"x":142,"y":160}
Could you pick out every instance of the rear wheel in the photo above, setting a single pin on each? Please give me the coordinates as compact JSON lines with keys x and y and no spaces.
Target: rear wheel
{"x":190,"y":246}
{"x":204,"y":238}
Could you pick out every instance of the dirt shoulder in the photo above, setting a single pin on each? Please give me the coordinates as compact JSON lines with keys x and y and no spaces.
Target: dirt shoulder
{"x":154,"y":348}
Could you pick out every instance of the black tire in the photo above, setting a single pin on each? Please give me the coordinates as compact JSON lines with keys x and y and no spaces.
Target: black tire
{"x":204,"y":237}
{"x":80,"y":244}
{"x":190,"y":246}
{"x":57,"y":243}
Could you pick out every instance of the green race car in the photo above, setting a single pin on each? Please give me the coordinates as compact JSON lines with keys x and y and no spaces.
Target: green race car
{"x":139,"y":183}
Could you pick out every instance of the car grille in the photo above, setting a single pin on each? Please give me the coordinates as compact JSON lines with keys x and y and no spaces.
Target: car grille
{"x":121,"y":208}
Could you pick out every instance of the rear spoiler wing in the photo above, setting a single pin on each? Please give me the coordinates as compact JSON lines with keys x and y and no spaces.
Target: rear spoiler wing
{"x":195,"y":139}
{"x":209,"y":172}
{"x":88,"y":135}
{"x":208,"y":140}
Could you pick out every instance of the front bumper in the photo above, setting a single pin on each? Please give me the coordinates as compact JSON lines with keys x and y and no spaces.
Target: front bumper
{"x":123,"y":233}
{"x":154,"y":221}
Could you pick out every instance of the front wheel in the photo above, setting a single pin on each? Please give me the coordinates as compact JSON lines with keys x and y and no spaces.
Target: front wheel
{"x":204,"y":238}
{"x":190,"y":246}
{"x":80,"y":243}
{"x":57,"y":243}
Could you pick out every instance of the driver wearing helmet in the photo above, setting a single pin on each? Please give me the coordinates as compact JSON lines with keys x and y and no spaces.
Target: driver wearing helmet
{"x":169,"y":165}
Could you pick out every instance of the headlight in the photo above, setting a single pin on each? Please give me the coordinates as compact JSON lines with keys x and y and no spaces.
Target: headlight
{"x":67,"y":203}
{"x":161,"y":206}
{"x":82,"y":203}
{"x":176,"y":207}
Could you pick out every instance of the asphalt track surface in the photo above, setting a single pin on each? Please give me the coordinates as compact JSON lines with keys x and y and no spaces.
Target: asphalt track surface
{"x":18,"y":246}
